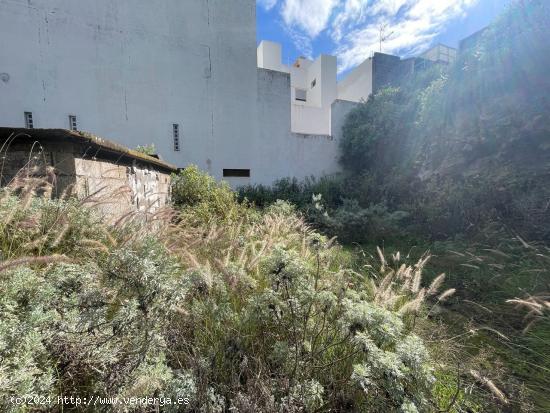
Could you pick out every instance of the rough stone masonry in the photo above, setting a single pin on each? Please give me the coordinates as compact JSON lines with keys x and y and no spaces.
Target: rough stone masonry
{"x":121,"y":180}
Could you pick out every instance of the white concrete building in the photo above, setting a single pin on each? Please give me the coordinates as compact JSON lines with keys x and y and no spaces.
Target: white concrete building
{"x":314,"y":88}
{"x":184,"y":75}
{"x":179,"y":74}
{"x":357,"y":85}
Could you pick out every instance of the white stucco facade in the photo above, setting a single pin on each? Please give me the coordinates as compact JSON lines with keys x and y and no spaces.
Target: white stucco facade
{"x":131,"y":69}
{"x":357,"y":85}
{"x":312,"y":87}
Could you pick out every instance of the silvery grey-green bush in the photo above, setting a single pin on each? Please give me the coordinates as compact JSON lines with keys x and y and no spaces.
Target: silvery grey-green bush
{"x":257,"y":314}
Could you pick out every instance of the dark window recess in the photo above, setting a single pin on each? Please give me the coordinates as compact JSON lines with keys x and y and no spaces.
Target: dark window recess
{"x":236,"y":173}
{"x":176,"y":136}
{"x":29,"y":124}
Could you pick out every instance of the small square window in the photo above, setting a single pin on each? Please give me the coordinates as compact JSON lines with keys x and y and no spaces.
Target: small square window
{"x":72,"y":123}
{"x":301,"y":95}
{"x":29,"y":123}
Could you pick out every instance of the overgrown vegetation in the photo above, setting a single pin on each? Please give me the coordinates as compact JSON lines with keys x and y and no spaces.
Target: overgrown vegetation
{"x":455,"y":159}
{"x":238,"y":312}
{"x":327,"y":205}
{"x":203,"y":200}
{"x":147,"y":149}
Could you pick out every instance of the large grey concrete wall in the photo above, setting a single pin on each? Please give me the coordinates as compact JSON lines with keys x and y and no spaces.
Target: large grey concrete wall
{"x":382,"y":70}
{"x":129,"y":69}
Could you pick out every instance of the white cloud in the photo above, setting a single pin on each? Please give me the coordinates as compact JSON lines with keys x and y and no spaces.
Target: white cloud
{"x":353,"y":25}
{"x":310,"y":16}
{"x":267,"y":4}
{"x":412,"y":24}
{"x":301,"y":41}
{"x":352,"y":13}
{"x":388,"y":7}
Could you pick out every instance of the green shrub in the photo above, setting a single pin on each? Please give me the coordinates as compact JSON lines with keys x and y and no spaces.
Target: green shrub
{"x":147,"y":149}
{"x":325,"y":204}
{"x":202,"y":197}
{"x":296,"y":192}
{"x":84,"y":307}
{"x":370,"y":128}
{"x":191,"y":187}
{"x":352,"y":223}
{"x":281,"y":325}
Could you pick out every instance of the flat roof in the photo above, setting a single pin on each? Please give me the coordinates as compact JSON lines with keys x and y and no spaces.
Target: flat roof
{"x":82,"y":138}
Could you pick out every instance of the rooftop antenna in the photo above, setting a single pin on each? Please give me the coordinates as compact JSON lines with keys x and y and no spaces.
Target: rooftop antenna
{"x":383,"y":35}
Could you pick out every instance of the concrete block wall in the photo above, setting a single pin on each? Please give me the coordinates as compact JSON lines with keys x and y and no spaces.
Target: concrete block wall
{"x":122,"y":188}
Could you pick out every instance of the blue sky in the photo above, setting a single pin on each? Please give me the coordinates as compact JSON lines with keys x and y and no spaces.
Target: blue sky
{"x":350,"y":29}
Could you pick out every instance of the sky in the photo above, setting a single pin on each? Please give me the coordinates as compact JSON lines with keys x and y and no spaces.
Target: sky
{"x":350,"y":29}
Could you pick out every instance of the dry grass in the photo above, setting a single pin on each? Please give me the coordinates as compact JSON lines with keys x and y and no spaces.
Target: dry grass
{"x":400,"y":287}
{"x":31,"y":234}
{"x":244,"y":242}
{"x":537,"y":307}
{"x":490,"y":386}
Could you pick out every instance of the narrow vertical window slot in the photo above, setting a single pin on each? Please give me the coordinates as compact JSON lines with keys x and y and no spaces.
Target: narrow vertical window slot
{"x":29,"y":123}
{"x":176,"y":136}
{"x":72,"y":123}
